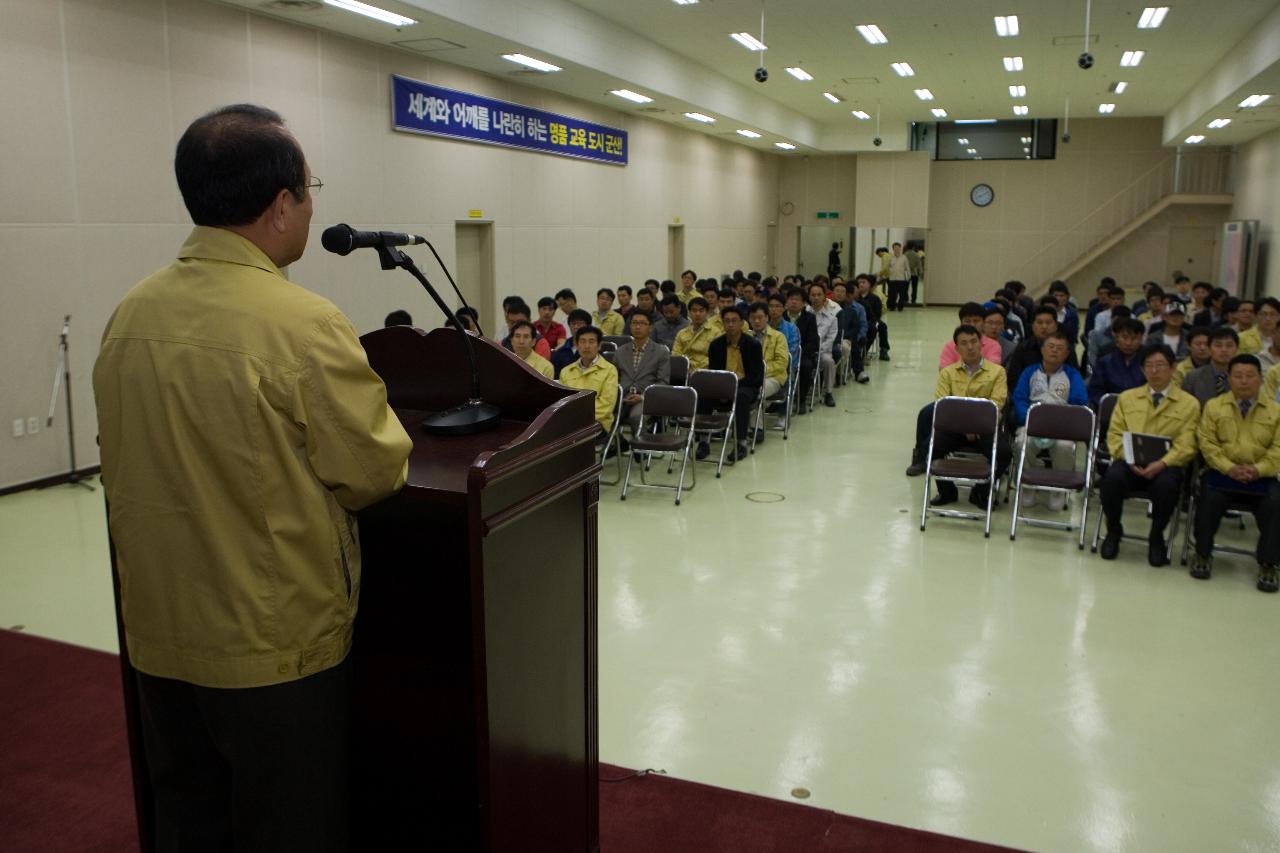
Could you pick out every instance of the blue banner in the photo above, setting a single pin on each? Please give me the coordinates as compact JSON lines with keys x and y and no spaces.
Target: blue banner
{"x":436,"y":111}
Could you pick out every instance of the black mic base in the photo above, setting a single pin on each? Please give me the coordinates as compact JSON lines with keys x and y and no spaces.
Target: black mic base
{"x":471,"y":417}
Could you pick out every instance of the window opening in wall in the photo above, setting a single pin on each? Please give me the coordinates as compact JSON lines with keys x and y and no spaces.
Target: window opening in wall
{"x":1001,"y":139}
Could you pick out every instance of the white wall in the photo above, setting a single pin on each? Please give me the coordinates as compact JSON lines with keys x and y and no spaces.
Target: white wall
{"x":1258,"y":197}
{"x":97,"y":93}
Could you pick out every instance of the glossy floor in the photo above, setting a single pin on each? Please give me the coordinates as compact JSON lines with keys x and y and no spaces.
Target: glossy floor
{"x":1022,"y":693}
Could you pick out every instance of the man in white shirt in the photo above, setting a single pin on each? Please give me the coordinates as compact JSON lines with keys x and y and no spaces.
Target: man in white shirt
{"x":827,"y":315}
{"x":899,"y":278}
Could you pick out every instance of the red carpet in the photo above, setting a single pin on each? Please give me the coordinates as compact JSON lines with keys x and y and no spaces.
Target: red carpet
{"x":65,"y":780}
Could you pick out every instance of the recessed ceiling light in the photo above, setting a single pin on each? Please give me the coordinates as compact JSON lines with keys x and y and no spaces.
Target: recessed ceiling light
{"x":1132,"y":58}
{"x":1219,"y":122}
{"x":971,"y":150}
{"x":1253,"y":101}
{"x":872,"y":34}
{"x":832,"y":97}
{"x":1017,"y":91}
{"x":1026,"y":150}
{"x":924,"y":94}
{"x":530,"y":62}
{"x":799,"y":73}
{"x":1106,"y":108}
{"x":975,"y":121}
{"x":1119,"y":86}
{"x":750,"y":134}
{"x":1152,"y":17}
{"x":1013,"y":63}
{"x":748,"y":41}
{"x":685,"y":2}
{"x":1195,"y":140}
{"x":372,"y":12}
{"x":1021,"y":109}
{"x":939,"y":112}
{"x":964,"y":140}
{"x":785,"y":146}
{"x":902,"y":69}
{"x":861,"y":115}
{"x":1006,"y":25}
{"x":629,"y":95}
{"x":705,"y":119}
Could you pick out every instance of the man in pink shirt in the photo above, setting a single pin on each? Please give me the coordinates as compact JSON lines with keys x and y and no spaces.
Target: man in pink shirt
{"x":971,"y":314}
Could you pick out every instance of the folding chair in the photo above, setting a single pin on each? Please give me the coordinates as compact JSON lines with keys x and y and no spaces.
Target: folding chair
{"x":718,"y":388}
{"x":1059,"y":423}
{"x":966,"y":416}
{"x":662,"y":402}
{"x":679,"y":370}
{"x":612,"y":442}
{"x":607,"y":346}
{"x":1235,"y":508}
{"x":610,"y":355}
{"x":785,"y":398}
{"x":1102,"y":462}
{"x":617,"y":340}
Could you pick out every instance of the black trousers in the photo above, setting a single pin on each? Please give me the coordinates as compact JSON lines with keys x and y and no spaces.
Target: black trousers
{"x":256,"y":769}
{"x":950,"y":442}
{"x":1213,"y":504}
{"x":915,"y":289}
{"x":743,"y":411}
{"x":808,"y":364}
{"x":1120,"y":482}
{"x":897,"y":294}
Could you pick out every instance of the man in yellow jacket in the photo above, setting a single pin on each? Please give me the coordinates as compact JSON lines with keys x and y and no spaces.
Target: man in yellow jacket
{"x":971,"y":376}
{"x":777,"y":358}
{"x":592,"y":373}
{"x":1240,"y":440}
{"x":1156,"y":408}
{"x":695,"y":339}
{"x":241,"y":428}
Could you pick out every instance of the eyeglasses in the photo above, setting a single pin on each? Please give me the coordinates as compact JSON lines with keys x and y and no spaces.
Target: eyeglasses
{"x":315,"y":186}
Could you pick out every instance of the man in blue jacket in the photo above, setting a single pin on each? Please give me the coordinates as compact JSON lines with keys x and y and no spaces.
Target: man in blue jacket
{"x":1120,"y":369}
{"x":1050,"y":381}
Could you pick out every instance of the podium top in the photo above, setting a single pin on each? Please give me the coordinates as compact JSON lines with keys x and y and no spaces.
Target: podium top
{"x":427,"y":372}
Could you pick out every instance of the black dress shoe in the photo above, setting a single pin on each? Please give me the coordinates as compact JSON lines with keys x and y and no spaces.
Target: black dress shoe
{"x":704,"y":450}
{"x":829,"y":401}
{"x":740,"y":452}
{"x":947,"y":494}
{"x":884,"y":356}
{"x":1111,"y":543}
{"x":1156,"y":552}
{"x":978,"y":496}
{"x":759,"y":436}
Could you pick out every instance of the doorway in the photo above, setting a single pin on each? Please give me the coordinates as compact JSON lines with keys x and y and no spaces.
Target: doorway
{"x":675,"y":251}
{"x":473,"y":269}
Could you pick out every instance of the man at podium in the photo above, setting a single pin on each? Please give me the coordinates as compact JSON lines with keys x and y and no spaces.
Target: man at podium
{"x":241,"y":427}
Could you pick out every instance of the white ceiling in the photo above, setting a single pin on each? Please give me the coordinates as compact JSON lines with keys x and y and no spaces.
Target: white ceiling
{"x":682,"y":56}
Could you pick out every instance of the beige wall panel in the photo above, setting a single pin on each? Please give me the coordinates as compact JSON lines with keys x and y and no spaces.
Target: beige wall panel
{"x":1258,"y":197}
{"x":285,"y":68}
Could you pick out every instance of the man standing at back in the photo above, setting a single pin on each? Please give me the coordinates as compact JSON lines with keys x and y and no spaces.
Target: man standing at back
{"x":241,"y":427}
{"x":899,"y":278}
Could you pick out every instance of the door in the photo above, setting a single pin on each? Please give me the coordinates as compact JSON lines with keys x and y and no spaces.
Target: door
{"x":675,"y":252}
{"x":815,"y":247}
{"x":1192,"y":249}
{"x":473,"y":242}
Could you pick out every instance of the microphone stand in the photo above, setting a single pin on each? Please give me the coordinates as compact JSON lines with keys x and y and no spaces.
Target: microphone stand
{"x":62,"y":376}
{"x":473,"y":416}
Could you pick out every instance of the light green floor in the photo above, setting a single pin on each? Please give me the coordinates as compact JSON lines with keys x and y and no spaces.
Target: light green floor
{"x":1022,"y":693}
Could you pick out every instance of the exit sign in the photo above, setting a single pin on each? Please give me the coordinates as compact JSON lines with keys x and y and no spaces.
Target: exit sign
{"x":828,"y":214}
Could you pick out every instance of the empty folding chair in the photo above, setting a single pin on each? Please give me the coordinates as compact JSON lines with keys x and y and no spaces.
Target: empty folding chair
{"x":715,"y":388}
{"x":964,"y":416}
{"x":1056,"y":422}
{"x":663,"y":402}
{"x":679,"y":370}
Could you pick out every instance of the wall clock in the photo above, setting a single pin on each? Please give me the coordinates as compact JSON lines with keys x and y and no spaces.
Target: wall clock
{"x":982,"y":195}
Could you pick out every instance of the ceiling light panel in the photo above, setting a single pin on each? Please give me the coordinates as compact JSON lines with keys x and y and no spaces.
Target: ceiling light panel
{"x":861,"y":115}
{"x":964,"y":140}
{"x":924,"y":94}
{"x":1152,"y":17}
{"x":1021,"y":109}
{"x":785,"y":146}
{"x":1006,"y":25}
{"x":1132,"y":58}
{"x":902,"y":69}
{"x":530,"y":62}
{"x":1219,"y":122}
{"x":971,"y":150}
{"x":705,"y":119}
{"x":832,"y":97}
{"x":1195,"y":140}
{"x":1018,"y":91}
{"x":749,"y":134}
{"x":1106,"y":109}
{"x":1119,"y":86}
{"x":939,"y":112}
{"x":634,"y":97}
{"x":372,"y":12}
{"x":872,"y":34}
{"x":1026,"y":140}
{"x":684,"y":2}
{"x":1013,"y":63}
{"x":1253,"y":101}
{"x":748,"y":41}
{"x":799,"y":73}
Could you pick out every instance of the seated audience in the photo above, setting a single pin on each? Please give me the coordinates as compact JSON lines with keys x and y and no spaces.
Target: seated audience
{"x":521,"y":338}
{"x":1151,"y":309}
{"x":873,"y":305}
{"x":468,"y":317}
{"x":518,"y":312}
{"x":1239,"y":437}
{"x":399,"y":317}
{"x":694,"y":340}
{"x":669,"y":323}
{"x":1268,"y":315}
{"x":853,"y":329}
{"x":1097,"y":304}
{"x":774,"y":349}
{"x":1119,"y":370}
{"x":1197,"y":353}
{"x":1205,"y":383}
{"x":1044,"y":322}
{"x":640,"y":362}
{"x":1181,"y":289}
{"x":608,"y":321}
{"x":1050,"y":381}
{"x":567,"y":352}
{"x":993,"y":328}
{"x":827,"y":316}
{"x":548,"y":329}
{"x":1099,"y":342}
{"x":1244,"y":320}
{"x":738,"y":352}
{"x":567,"y":302}
{"x":644,"y":305}
{"x":778,"y":321}
{"x":1171,"y":330}
{"x":590,"y":372}
{"x":1155,"y":408}
{"x":625,"y":302}
{"x":1068,"y":317}
{"x":801,"y":316}
{"x":971,"y":314}
{"x":1212,"y":315}
{"x":971,"y":376}
{"x":687,"y":290}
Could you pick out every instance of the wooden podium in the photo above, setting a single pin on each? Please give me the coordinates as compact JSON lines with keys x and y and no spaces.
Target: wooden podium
{"x":475,"y":643}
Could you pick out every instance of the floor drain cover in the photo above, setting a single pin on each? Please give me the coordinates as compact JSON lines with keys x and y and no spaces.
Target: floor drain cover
{"x":858,"y":411}
{"x":765,"y":497}
{"x":800,"y":793}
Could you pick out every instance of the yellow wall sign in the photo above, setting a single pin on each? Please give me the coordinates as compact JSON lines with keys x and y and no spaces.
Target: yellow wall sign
{"x":475,"y":214}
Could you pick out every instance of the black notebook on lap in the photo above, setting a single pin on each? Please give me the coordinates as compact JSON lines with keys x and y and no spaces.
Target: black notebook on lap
{"x":1142,"y":449}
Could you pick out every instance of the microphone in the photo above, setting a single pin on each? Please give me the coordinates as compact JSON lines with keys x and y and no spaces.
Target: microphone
{"x":342,"y":239}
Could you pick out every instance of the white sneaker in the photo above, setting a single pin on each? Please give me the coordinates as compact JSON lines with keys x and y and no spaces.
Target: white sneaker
{"x":1028,"y":498}
{"x":1057,"y":501}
